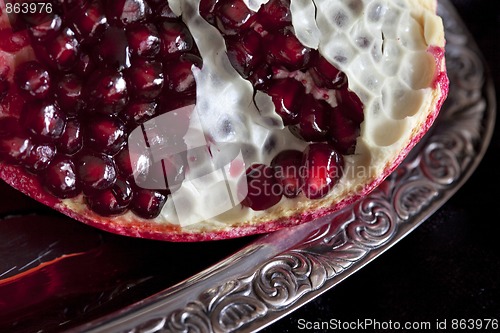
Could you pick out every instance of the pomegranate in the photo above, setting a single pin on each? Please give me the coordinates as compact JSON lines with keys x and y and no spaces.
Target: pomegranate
{"x":191,"y":120}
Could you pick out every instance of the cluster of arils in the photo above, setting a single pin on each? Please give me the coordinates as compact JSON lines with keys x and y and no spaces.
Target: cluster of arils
{"x":101,"y":68}
{"x":309,"y":93}
{"x":313,"y":172}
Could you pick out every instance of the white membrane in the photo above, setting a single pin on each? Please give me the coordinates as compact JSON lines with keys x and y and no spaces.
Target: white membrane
{"x":379,"y":44}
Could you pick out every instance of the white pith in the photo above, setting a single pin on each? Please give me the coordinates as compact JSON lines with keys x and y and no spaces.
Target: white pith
{"x":394,"y":86}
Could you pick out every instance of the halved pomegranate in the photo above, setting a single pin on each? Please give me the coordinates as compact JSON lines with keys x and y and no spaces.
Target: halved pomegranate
{"x":192,"y":120}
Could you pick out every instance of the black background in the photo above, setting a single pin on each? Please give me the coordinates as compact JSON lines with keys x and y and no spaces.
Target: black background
{"x":450,"y":266}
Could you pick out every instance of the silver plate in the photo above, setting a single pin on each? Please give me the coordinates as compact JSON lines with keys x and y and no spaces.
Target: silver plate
{"x":279,"y":272}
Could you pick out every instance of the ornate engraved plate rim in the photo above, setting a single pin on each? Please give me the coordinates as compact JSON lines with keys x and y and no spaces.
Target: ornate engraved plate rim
{"x":280,"y":272}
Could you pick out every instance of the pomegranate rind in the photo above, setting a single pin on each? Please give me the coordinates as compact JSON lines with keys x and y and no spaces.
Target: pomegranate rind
{"x":277,"y":218}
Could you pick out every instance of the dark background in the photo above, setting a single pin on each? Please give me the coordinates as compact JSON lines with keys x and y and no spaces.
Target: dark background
{"x":450,"y":266}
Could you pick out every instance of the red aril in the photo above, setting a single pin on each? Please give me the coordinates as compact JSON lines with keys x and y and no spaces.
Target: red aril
{"x":179,"y":76}
{"x":71,"y":140}
{"x":123,"y":163}
{"x":107,"y":91}
{"x":145,"y":79}
{"x":60,"y":178}
{"x":105,"y":134}
{"x":44,"y":120}
{"x":87,"y":19}
{"x":95,"y":172}
{"x":288,"y":168}
{"x":161,"y":8}
{"x":285,"y":49}
{"x":288,"y":96}
{"x":47,"y":28}
{"x":343,"y":132}
{"x":313,"y":120}
{"x":147,"y":203}
{"x":13,"y":41}
{"x":233,"y":16}
{"x":112,"y":201}
{"x":264,"y":190}
{"x":112,"y":49}
{"x":123,"y":12}
{"x":175,"y":38}
{"x":39,"y":157}
{"x":33,"y":80}
{"x":245,"y":52}
{"x":275,"y":14}
{"x":143,"y":40}
{"x":136,"y":113}
{"x":68,"y":93}
{"x":325,"y":75}
{"x":15,"y":148}
{"x":323,"y":168}
{"x":350,"y":105}
{"x":62,"y":51}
